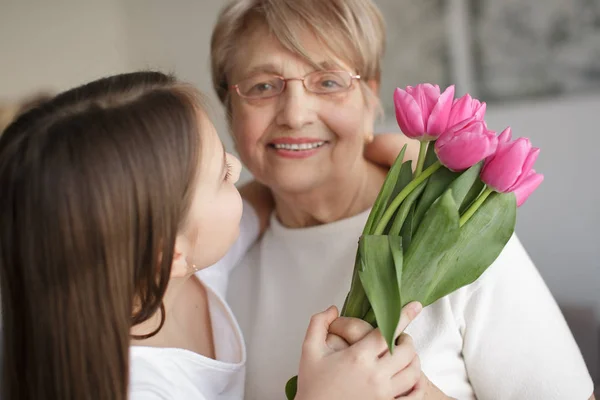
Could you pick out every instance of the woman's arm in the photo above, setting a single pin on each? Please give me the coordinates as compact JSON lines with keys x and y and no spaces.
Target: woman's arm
{"x":516,"y":343}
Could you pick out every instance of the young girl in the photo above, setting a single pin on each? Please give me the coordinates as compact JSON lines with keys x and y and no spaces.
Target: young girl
{"x":114,"y":195}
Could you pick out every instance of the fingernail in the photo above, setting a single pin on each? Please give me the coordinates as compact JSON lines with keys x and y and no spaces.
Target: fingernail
{"x":416,"y":308}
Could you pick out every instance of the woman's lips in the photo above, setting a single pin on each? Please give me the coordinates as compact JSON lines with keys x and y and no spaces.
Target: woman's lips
{"x":296,"y":147}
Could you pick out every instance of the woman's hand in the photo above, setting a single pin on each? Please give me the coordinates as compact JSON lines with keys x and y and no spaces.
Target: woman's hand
{"x":353,"y":362}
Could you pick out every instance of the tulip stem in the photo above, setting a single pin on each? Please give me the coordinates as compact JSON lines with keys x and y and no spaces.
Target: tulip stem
{"x":475,"y":206}
{"x":421,"y":159}
{"x":389,"y":212}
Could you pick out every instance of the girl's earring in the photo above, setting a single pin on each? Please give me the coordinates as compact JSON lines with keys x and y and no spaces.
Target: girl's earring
{"x":369,"y":139}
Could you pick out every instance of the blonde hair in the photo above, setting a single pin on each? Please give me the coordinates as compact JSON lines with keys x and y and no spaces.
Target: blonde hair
{"x":353,"y":30}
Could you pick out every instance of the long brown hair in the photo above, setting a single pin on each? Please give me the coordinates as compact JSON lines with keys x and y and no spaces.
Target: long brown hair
{"x":95,"y":186}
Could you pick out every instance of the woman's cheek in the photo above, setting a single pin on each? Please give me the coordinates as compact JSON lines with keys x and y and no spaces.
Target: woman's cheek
{"x":345,"y":122}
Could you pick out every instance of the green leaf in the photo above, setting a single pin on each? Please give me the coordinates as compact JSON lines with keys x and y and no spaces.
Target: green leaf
{"x":437,"y":233}
{"x":436,"y":185}
{"x":462,"y":185}
{"x":398,"y":256}
{"x":474,"y":192}
{"x":480,"y":242}
{"x":408,"y":228}
{"x":385,"y":193}
{"x":430,"y":156}
{"x":404,"y":178}
{"x":444,"y":179}
{"x":379,"y":279}
{"x":402,"y":213}
{"x":356,"y":304}
{"x":291,"y":387}
{"x":370,"y":318}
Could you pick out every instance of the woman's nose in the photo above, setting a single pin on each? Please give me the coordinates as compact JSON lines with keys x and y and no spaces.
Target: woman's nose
{"x":296,"y":106}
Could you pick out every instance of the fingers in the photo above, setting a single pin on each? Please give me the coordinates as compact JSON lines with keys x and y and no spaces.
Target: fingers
{"x":407,"y":381}
{"x":374,"y":342}
{"x":371,"y":346}
{"x":316,"y":333}
{"x":407,"y":315}
{"x":335,"y":343}
{"x":350,"y":329}
{"x":418,"y":392}
{"x":403,"y":355}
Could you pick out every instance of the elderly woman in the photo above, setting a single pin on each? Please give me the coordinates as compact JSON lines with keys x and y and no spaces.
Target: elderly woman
{"x":299,"y":79}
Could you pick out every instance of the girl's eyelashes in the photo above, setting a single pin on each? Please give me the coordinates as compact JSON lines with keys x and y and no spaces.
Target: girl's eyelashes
{"x":228,"y":171}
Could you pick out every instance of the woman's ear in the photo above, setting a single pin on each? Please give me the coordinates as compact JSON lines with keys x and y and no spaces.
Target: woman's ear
{"x":180,"y":267}
{"x":374,"y":85}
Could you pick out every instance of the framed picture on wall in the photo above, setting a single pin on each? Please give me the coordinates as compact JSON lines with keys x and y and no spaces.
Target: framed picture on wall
{"x":533,"y":48}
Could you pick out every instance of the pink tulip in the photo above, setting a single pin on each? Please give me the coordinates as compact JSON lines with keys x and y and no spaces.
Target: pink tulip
{"x":510,"y":169}
{"x":465,"y":145}
{"x":464,"y":109}
{"x":422,"y":112}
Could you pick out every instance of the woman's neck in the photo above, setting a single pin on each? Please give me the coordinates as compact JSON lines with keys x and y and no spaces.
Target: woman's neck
{"x":348,"y":196}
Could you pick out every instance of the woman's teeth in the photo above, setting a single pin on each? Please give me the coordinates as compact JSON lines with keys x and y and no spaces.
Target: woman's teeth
{"x":298,"y":147}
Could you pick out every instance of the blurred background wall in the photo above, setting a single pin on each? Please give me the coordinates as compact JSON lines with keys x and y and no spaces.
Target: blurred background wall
{"x":536,"y":62}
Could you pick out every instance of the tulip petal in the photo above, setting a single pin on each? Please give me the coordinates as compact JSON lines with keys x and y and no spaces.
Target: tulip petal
{"x":528,"y":186}
{"x":426,"y":96}
{"x":527,"y":165}
{"x":504,"y":170}
{"x":505,"y":136}
{"x":480,"y":109}
{"x":438,"y":119}
{"x":449,"y":134}
{"x":461,"y":110}
{"x":408,"y":114}
{"x":467,"y":147}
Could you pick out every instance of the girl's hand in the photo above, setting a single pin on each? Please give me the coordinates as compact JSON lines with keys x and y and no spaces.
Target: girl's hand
{"x":359,"y":366}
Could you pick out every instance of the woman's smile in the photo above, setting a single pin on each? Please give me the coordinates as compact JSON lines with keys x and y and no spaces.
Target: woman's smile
{"x":302,"y":147}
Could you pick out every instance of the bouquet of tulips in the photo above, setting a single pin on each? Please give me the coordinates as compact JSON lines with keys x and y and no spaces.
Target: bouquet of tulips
{"x":437,"y":229}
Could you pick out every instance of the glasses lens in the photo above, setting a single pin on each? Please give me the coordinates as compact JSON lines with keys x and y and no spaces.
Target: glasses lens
{"x":261,"y":86}
{"x":328,"y":81}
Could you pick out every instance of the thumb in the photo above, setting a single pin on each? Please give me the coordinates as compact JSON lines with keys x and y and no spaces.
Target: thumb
{"x":408,"y":314}
{"x":318,"y":328}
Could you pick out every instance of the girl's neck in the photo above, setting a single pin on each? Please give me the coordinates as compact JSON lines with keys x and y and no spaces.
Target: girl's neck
{"x":349,"y":196}
{"x":187,"y":322}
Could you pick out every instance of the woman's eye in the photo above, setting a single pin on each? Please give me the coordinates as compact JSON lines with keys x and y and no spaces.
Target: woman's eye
{"x":330,"y":83}
{"x":263,"y":87}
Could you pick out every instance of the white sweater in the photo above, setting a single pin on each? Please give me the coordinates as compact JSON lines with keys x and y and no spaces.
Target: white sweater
{"x":503,"y":337}
{"x":178,"y":374}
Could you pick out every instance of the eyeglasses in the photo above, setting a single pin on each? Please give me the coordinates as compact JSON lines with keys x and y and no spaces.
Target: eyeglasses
{"x":264,"y":86}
